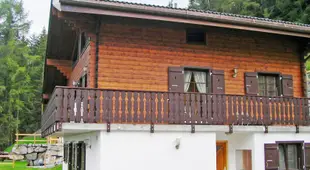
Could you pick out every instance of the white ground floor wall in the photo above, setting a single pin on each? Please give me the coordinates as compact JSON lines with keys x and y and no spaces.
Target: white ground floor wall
{"x":138,"y":149}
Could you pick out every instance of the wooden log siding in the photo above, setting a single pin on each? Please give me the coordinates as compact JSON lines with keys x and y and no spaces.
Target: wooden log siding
{"x":85,"y":105}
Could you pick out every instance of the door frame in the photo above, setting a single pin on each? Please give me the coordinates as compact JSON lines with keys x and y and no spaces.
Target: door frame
{"x":225,"y":144}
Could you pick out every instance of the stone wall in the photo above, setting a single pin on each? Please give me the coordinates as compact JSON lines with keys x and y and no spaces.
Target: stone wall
{"x":38,"y":154}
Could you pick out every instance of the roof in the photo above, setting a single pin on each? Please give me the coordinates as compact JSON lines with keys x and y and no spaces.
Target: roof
{"x":94,"y":6}
{"x":207,"y":12}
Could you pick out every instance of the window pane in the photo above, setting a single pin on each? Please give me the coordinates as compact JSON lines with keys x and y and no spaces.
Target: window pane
{"x":281,"y":157}
{"x":271,"y":86}
{"x":195,"y":81}
{"x":267,"y":85}
{"x":292,"y":156}
{"x":261,"y":85}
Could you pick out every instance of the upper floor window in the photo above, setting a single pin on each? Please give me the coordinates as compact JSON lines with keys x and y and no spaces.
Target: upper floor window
{"x":193,"y":79}
{"x":83,"y":81}
{"x":268,"y":85}
{"x":196,"y":81}
{"x":80,"y":45}
{"x":196,"y":36}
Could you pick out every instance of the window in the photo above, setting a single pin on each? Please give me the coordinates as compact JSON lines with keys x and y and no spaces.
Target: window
{"x":287,"y":155}
{"x":290,"y":156}
{"x":268,"y":85}
{"x":81,"y":43}
{"x":196,"y":36}
{"x":83,"y":81}
{"x":76,"y":156}
{"x":196,"y":81}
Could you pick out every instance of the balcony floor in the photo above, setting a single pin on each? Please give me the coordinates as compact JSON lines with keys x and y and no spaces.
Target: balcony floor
{"x":69,"y":129}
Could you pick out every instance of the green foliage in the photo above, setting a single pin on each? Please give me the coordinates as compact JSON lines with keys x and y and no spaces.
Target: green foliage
{"x":287,"y":10}
{"x":21,"y":67}
{"x":21,"y":165}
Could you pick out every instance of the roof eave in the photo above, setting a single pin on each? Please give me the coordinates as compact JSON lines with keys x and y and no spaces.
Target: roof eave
{"x":183,"y":16}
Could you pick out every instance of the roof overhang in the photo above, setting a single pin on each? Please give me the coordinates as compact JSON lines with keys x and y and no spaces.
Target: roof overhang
{"x":109,"y":8}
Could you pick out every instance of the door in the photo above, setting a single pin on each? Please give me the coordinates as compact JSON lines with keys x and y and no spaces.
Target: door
{"x":221,"y":156}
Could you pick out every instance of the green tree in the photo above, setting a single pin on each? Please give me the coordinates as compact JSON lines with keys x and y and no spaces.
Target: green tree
{"x":287,"y":10}
{"x":21,"y":62}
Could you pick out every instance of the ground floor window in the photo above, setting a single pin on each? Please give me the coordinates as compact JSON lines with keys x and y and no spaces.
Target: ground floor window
{"x":290,"y":156}
{"x":75,"y":155}
{"x":287,"y":155}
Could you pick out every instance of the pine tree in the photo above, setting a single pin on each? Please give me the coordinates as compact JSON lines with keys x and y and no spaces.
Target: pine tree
{"x":287,"y":10}
{"x":21,"y":65}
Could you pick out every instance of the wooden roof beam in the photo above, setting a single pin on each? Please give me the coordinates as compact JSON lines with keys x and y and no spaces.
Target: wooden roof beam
{"x":64,"y":66}
{"x":73,"y":16}
{"x":53,"y":62}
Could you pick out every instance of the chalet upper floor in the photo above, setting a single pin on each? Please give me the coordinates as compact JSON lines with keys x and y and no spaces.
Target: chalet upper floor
{"x":145,"y":64}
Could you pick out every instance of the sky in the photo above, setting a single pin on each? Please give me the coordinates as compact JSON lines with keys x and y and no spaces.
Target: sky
{"x":38,"y":11}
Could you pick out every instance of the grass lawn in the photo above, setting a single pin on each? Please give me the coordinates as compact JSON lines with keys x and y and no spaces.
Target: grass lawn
{"x":22,"y":166}
{"x":9,"y":149}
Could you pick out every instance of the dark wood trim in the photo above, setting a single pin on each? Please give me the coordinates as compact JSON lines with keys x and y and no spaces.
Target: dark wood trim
{"x":270,"y":73}
{"x":196,"y":68}
{"x":290,"y":142}
{"x":98,"y":28}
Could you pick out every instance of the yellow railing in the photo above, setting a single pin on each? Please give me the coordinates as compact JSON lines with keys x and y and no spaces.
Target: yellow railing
{"x":35,"y":140}
{"x":7,"y":163}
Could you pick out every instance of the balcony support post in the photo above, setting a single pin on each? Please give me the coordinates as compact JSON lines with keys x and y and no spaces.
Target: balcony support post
{"x":193,"y":129}
{"x":266,"y":128}
{"x":231,"y":129}
{"x":108,"y":127}
{"x":152,"y":128}
{"x":297,"y":128}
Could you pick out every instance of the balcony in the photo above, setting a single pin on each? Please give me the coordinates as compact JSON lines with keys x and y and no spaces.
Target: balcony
{"x":86,"y":105}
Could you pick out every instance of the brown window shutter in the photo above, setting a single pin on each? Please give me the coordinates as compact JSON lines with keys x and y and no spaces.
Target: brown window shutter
{"x":251,"y":83}
{"x":271,"y":157}
{"x":218,"y":82}
{"x":73,"y":156}
{"x":176,"y":79}
{"x":287,"y":85}
{"x":78,"y":156}
{"x":83,"y":156}
{"x":307,"y":156}
{"x":65,"y":152}
{"x":70,"y":156}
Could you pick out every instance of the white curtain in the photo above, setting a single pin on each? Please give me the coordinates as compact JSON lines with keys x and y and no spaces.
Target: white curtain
{"x":281,"y":157}
{"x":187,"y":80}
{"x":200,"y":79}
{"x":292,"y":156}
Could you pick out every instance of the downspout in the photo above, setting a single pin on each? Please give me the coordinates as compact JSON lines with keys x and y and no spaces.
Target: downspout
{"x":97,"y":49}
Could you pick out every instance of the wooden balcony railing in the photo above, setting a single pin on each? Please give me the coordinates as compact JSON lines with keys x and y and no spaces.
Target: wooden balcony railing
{"x":85,"y":105}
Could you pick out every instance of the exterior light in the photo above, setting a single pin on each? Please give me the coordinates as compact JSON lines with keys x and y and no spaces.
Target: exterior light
{"x":235,"y":72}
{"x":85,"y":69}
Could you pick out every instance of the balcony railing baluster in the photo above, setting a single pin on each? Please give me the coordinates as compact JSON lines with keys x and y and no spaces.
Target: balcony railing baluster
{"x":85,"y":105}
